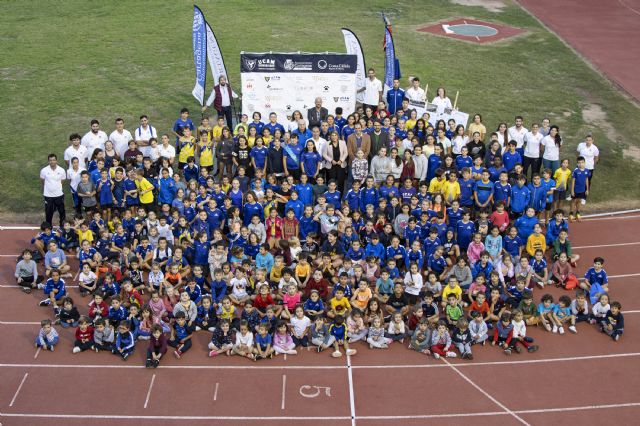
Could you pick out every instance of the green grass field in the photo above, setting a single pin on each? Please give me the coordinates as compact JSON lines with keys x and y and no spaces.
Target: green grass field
{"x":66,"y":62}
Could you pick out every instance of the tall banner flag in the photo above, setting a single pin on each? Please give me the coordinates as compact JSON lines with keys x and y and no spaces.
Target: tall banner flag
{"x":199,"y":54}
{"x":389,"y":60}
{"x":216,"y":62}
{"x":355,"y":48}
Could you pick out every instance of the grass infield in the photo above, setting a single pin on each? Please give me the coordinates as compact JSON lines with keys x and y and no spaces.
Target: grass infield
{"x":66,"y":62}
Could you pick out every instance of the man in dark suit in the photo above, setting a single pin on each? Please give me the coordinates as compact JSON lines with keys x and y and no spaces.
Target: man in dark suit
{"x":379,"y":138}
{"x":317,"y":114}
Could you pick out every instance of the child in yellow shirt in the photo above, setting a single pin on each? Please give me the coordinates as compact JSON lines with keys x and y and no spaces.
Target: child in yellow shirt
{"x":536,"y":241}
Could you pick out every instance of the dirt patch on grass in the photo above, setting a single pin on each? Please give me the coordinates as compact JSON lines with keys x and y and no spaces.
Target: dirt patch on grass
{"x":633,"y":152}
{"x":490,"y":5}
{"x":594,"y":114}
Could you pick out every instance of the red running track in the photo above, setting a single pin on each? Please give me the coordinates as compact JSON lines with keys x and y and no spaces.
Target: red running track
{"x":606,"y":32}
{"x":586,"y":378}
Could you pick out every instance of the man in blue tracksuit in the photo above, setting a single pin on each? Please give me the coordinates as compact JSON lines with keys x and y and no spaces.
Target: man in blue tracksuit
{"x":395,"y":97}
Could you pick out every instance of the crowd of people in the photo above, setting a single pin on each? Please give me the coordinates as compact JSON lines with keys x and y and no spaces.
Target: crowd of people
{"x":326,"y":231}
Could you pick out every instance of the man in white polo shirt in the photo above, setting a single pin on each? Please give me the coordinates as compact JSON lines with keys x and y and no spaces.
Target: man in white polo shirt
{"x":516,"y":133}
{"x":52,"y":177}
{"x":591,"y":155}
{"x":415,"y":92}
{"x":75,"y":150}
{"x":532,"y":157}
{"x":143,"y":134}
{"x":95,"y":138}
{"x":120,"y":138}
{"x":372,"y":91}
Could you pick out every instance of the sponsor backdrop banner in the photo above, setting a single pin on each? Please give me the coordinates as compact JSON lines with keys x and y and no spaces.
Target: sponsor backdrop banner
{"x":285,"y":82}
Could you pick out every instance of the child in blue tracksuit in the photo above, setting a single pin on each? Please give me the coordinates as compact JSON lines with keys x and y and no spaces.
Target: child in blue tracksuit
{"x":520,"y":197}
{"x":218,"y":287}
{"x":538,"y":192}
{"x":375,"y":248}
{"x":207,"y":318}
{"x":525,"y":223}
{"x":503,"y":333}
{"x":125,"y":342}
{"x":117,"y":312}
{"x":353,"y":197}
{"x":180,"y":335}
{"x":555,"y":226}
{"x":47,"y":337}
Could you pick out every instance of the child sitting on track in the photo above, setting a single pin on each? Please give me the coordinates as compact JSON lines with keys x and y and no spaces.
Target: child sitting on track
{"x":47,"y":337}
{"x":125,"y":342}
{"x":339,"y":331}
{"x":84,"y":336}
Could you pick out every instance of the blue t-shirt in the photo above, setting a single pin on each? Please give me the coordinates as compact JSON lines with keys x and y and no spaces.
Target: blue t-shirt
{"x":580,"y":178}
{"x":483,"y":191}
{"x":259,"y":155}
{"x":310,"y":161}
{"x":466,"y":192}
{"x":263,"y":341}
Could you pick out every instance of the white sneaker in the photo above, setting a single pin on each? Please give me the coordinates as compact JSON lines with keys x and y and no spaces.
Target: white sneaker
{"x":436,"y":356}
{"x":75,"y":350}
{"x":211,"y":329}
{"x":555,"y":329}
{"x":451,"y":354}
{"x":41,"y":286}
{"x":336,"y":354}
{"x":198,"y":328}
{"x":573,"y":329}
{"x":540,"y":284}
{"x":351,"y":352}
{"x":561,"y":329}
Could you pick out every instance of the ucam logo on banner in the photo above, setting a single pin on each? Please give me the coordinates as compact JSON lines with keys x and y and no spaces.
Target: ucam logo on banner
{"x":285,"y":82}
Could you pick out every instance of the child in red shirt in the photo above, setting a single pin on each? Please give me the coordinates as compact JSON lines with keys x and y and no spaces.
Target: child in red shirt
{"x":500,"y":217}
{"x":98,"y":307}
{"x":84,"y":336}
{"x":480,"y":305}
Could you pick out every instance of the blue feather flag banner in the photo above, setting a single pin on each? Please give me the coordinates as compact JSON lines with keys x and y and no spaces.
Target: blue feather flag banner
{"x":199,"y":54}
{"x":389,"y":60}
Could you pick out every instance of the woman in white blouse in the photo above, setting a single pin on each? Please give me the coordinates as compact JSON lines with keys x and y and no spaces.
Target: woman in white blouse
{"x":551,"y":149}
{"x":295,"y":118}
{"x":503,"y":136}
{"x":459,"y":140}
{"x":441,"y":100}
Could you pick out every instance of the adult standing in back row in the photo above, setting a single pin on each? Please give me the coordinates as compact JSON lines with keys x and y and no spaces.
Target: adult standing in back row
{"x":591,"y":155}
{"x":372,"y":91}
{"x":516,"y":133}
{"x":52,"y":177}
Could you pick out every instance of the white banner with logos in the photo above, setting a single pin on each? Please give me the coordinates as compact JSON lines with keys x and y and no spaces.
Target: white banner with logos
{"x":283,"y":83}
{"x":439,"y":113}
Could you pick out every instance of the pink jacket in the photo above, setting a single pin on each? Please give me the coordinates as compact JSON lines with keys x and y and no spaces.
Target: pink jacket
{"x":473,"y":252}
{"x":282,"y":341}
